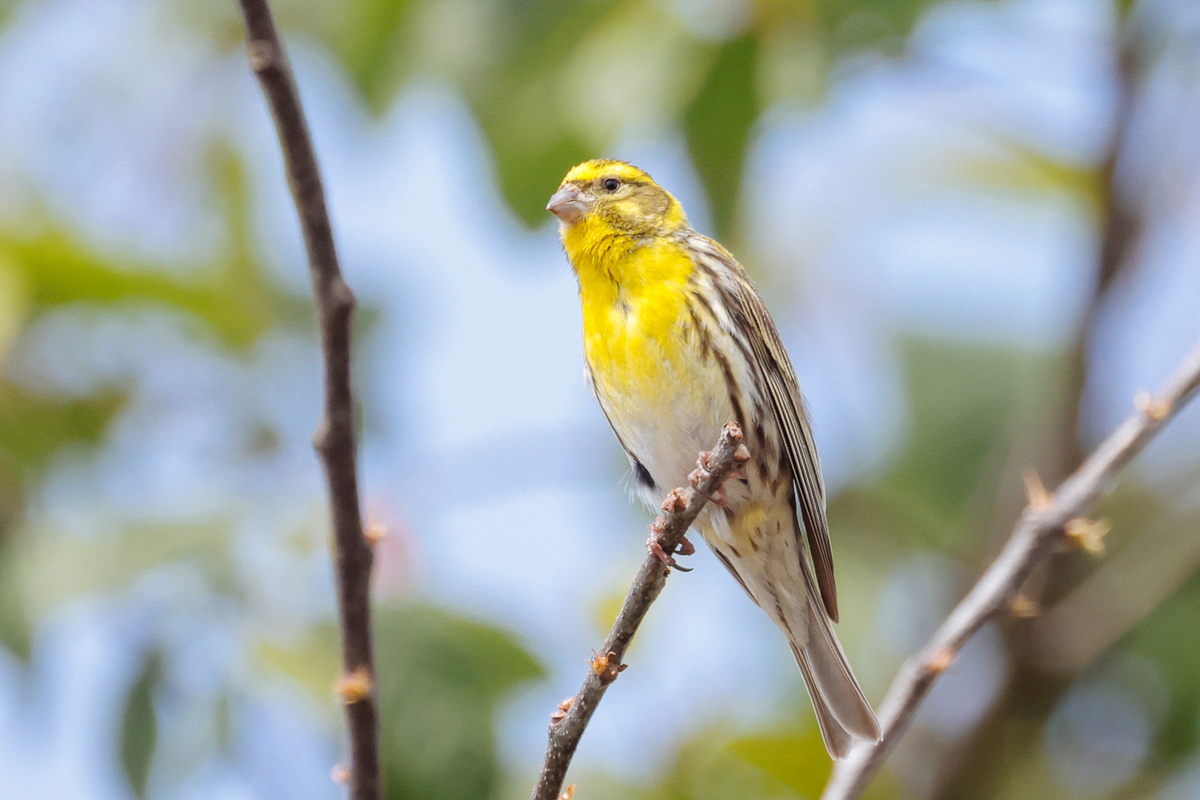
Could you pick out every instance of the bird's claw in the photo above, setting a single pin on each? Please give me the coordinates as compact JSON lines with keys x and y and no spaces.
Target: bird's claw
{"x":717,"y":498}
{"x":657,"y":550}
{"x":701,"y":474}
{"x":654,"y":545}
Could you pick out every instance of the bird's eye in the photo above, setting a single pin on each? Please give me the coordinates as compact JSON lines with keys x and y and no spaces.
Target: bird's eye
{"x":611,"y":184}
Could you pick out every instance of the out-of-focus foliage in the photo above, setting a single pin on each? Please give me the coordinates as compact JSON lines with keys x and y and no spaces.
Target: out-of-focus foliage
{"x":1158,"y":638}
{"x":446,"y":675}
{"x":715,"y":762}
{"x":718,"y":119}
{"x":438,"y":695}
{"x":549,"y":84}
{"x":55,"y":272}
{"x":34,"y":427}
{"x":139,"y":726}
{"x":967,"y":405}
{"x":797,"y":759}
{"x":44,"y":268}
{"x":554,"y":83}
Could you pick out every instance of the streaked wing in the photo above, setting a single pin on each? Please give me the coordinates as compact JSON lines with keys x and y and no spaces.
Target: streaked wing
{"x":790,"y":414}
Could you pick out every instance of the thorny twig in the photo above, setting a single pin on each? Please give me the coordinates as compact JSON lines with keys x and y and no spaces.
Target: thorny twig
{"x":334,"y":439}
{"x":679,"y":511}
{"x":1044,"y":528}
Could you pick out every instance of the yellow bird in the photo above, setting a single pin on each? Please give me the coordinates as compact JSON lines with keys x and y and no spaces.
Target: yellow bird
{"x":677,"y":343}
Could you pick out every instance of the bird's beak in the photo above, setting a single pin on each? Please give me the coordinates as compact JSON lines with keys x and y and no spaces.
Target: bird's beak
{"x":568,"y":204}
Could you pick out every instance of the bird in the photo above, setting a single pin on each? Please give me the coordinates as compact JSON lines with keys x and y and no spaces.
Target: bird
{"x":677,"y":342}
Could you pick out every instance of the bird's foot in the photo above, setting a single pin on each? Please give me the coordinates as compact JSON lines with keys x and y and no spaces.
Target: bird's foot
{"x":654,"y":545}
{"x":700,"y":474}
{"x":717,"y":498}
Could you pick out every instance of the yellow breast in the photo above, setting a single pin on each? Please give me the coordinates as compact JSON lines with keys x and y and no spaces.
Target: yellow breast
{"x":634,"y":318}
{"x":665,"y":397}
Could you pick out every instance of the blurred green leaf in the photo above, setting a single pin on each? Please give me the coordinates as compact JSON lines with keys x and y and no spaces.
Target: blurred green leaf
{"x":236,"y":305}
{"x":1124,"y":7}
{"x":796,"y":759}
{"x":856,"y":24}
{"x":367,"y":40}
{"x":708,"y":766}
{"x":232,"y":297}
{"x":14,"y":302}
{"x":529,"y":174}
{"x":518,"y":103}
{"x":718,"y":123}
{"x":34,"y":426}
{"x":15,"y":632}
{"x":445,"y":677}
{"x":58,"y":567}
{"x":139,"y":725}
{"x":1019,"y":167}
{"x":440,"y":680}
{"x":966,"y":406}
{"x":1178,"y":657}
{"x":310,"y":661}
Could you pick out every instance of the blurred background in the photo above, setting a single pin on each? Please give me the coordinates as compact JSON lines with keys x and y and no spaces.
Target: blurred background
{"x":977,"y":225}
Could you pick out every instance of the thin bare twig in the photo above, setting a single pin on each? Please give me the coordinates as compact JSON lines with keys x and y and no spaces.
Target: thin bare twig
{"x":680,"y":510}
{"x":1042,"y":529}
{"x":335,"y":437}
{"x":1121,"y":223}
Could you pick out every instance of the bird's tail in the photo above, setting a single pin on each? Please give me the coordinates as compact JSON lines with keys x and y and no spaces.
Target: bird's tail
{"x":774,"y":571}
{"x":843,"y":712}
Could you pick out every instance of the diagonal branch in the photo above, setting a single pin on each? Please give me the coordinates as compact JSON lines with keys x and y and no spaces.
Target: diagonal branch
{"x":335,"y":438}
{"x":1042,"y":529}
{"x":680,"y":510}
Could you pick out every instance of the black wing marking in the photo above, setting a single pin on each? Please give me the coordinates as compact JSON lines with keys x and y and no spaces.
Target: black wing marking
{"x":644,"y":479}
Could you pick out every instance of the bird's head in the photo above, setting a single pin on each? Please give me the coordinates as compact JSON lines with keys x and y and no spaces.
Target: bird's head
{"x":617,"y":196}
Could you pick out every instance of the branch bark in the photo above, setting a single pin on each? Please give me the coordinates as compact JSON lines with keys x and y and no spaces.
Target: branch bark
{"x":1028,"y":690}
{"x":680,"y":510}
{"x":1040,"y":531}
{"x":335,"y":436}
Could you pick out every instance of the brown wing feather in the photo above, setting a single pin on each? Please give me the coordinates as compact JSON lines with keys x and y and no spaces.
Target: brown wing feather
{"x":790,"y":414}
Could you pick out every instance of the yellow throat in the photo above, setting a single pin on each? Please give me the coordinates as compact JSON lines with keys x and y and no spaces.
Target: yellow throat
{"x":632,"y":274}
